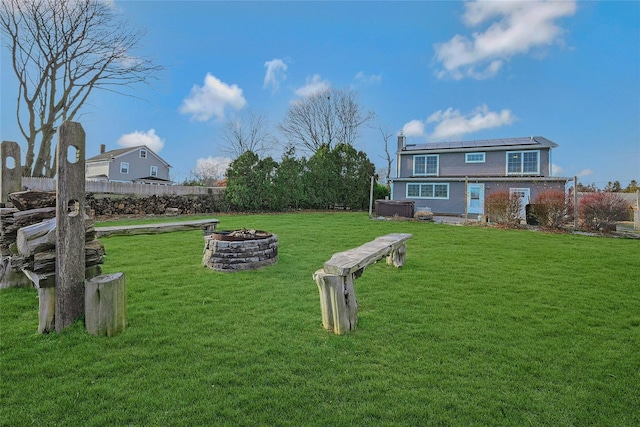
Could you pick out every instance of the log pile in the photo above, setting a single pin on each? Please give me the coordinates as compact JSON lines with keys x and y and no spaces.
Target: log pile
{"x":28,"y":238}
{"x":154,"y":205}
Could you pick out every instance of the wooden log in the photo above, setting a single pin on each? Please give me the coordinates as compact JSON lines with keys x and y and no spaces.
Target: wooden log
{"x":105,"y":304}
{"x":337,"y":301}
{"x":397,"y":256}
{"x":41,"y":280}
{"x":31,"y":216}
{"x":36,"y":237}
{"x":26,"y":200}
{"x":46,"y":310}
{"x":10,"y":278}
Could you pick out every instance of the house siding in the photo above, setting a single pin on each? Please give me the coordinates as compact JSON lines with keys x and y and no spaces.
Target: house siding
{"x":454,"y":171}
{"x":97,"y":169}
{"x":456,"y":203}
{"x":453,"y":164}
{"x":138,"y":167}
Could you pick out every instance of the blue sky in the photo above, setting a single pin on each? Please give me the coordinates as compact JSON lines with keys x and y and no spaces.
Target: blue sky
{"x":440,"y":71}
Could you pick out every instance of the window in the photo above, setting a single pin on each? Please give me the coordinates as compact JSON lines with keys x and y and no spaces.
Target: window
{"x":153,"y":171}
{"x":124,"y":167}
{"x":143,"y":154}
{"x":425,"y":165}
{"x":428,"y":191}
{"x":474,"y":158}
{"x":523,"y":163}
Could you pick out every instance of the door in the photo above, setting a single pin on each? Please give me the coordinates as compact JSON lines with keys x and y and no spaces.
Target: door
{"x":475,"y":199}
{"x":525,"y":198}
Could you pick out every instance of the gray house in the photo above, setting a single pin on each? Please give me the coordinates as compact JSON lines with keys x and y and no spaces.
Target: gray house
{"x":455,"y":177}
{"x":134,"y":164}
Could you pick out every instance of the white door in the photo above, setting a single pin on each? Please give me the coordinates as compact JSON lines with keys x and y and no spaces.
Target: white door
{"x":525,"y":198}
{"x":475,"y":198}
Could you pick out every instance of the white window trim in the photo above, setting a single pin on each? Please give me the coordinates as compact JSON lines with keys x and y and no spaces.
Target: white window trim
{"x":151,"y":169}
{"x":521,"y":173}
{"x":437,"y":156}
{"x":466,"y":157}
{"x":122,"y":166}
{"x":145,"y":153}
{"x":427,"y":183}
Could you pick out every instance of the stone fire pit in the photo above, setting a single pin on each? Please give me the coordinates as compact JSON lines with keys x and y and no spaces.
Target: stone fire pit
{"x":238,"y":250}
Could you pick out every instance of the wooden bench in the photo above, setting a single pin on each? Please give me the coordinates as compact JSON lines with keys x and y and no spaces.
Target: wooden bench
{"x":335,"y":280}
{"x":162,"y":227}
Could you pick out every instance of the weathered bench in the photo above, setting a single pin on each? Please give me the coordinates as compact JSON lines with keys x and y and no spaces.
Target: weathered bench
{"x":162,"y":227}
{"x":335,"y":280}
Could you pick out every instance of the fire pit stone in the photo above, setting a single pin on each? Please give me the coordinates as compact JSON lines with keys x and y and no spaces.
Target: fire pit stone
{"x":239,"y":250}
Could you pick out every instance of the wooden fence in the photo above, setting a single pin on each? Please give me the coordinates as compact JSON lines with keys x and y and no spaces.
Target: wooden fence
{"x":49,"y":184}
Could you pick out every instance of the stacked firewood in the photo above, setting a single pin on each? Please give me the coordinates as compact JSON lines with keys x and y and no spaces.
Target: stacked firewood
{"x":28,"y":238}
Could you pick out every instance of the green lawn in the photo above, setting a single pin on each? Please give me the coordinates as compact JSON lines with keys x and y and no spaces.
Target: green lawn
{"x":480,"y":327}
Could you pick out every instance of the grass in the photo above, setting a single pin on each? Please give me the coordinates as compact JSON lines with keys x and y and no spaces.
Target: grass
{"x":480,"y":327}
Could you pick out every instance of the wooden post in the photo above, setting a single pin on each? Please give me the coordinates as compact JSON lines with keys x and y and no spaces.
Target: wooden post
{"x":575,"y":202}
{"x":397,"y":256}
{"x":10,"y":174}
{"x":70,"y":229}
{"x":106,"y":304}
{"x":46,"y":310}
{"x":337,"y":302}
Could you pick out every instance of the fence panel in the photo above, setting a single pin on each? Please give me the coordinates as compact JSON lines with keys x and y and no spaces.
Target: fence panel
{"x":49,"y":184}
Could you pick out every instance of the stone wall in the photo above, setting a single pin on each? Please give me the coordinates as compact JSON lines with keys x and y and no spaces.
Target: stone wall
{"x":110,"y":205}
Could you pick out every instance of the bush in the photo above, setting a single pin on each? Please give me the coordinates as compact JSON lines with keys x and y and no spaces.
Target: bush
{"x":550,"y":208}
{"x":503,"y":208}
{"x":380,"y":191}
{"x":601,"y":211}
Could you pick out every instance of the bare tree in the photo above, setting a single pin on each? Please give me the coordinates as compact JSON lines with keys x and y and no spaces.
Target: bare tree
{"x":325,"y":118}
{"x":61,"y":50}
{"x":387,"y":156}
{"x":249,"y":132}
{"x":209,"y":172}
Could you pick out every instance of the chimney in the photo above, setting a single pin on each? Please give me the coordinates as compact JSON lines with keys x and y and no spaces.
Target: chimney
{"x":102,"y":148}
{"x":402,"y":141}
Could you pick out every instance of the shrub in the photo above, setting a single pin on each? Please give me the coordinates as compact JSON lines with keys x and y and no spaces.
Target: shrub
{"x":550,"y":208}
{"x":600,"y":211}
{"x":503,"y":208}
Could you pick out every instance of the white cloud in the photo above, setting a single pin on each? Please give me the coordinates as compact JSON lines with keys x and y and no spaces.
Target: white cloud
{"x":515,"y":28}
{"x":148,"y":138}
{"x":452,"y":124}
{"x":413,"y":128}
{"x":314,"y":84}
{"x":211,"y":99}
{"x":556,"y":170}
{"x":275,"y":74}
{"x":584,"y":172}
{"x":369,"y":79}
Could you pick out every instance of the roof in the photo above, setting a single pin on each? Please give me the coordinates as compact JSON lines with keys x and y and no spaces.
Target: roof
{"x":113,"y":154}
{"x":540,"y":141}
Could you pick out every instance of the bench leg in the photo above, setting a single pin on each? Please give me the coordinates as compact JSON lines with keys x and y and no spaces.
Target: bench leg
{"x":337,"y":302}
{"x":397,"y":256}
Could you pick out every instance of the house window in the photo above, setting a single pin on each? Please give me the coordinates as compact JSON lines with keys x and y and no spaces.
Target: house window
{"x":474,"y":158}
{"x":425,"y":165}
{"x":143,"y":154}
{"x":428,"y":191}
{"x":523,"y":162}
{"x":153,"y":171}
{"x":124,"y":167}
